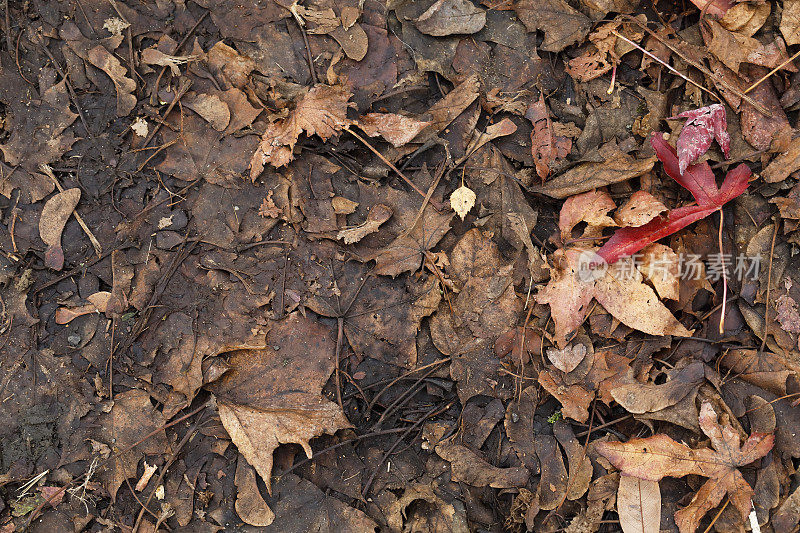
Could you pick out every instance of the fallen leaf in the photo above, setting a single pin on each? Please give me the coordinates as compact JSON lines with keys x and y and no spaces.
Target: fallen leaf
{"x":462,"y":200}
{"x":321,"y":111}
{"x":790,"y":22}
{"x":785,"y":163}
{"x":449,"y":17}
{"x":562,"y":24}
{"x":55,"y":214}
{"x":746,"y":18}
{"x":759,"y":129}
{"x":704,"y":125}
{"x":249,"y":505}
{"x":717,"y":8}
{"x":567,"y":359}
{"x":545,"y":145}
{"x":554,"y":474}
{"x":580,"y":466}
{"x":125,"y":86}
{"x":615,"y":168}
{"x":211,"y":108}
{"x":638,"y":398}
{"x":661,"y":266}
{"x":658,"y":456}
{"x":470,"y":468}
{"x":590,"y":207}
{"x":397,"y":129}
{"x":733,"y":49}
{"x":98,"y":303}
{"x":639,"y":505}
{"x":272,"y":395}
{"x":699,"y":179}
{"x":451,"y":106}
{"x":638,"y":210}
{"x":378,"y":214}
{"x":154,"y":56}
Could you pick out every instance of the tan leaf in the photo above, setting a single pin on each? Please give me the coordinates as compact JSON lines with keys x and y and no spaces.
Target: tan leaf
{"x":321,"y":111}
{"x":469,"y":467}
{"x":785,"y":163}
{"x":638,"y":505}
{"x":790,"y":22}
{"x":211,"y":108}
{"x":272,"y":395}
{"x":250,"y":506}
{"x":590,"y":207}
{"x":105,"y":61}
{"x":343,"y":206}
{"x":661,"y":266}
{"x":746,"y":18}
{"x":55,"y":213}
{"x":462,"y":200}
{"x":658,"y":456}
{"x":641,"y":208}
{"x":567,"y":359}
{"x":449,"y":17}
{"x":397,"y":129}
{"x":378,"y":214}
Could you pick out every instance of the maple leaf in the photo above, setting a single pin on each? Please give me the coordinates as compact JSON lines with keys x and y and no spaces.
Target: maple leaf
{"x":321,"y":111}
{"x":704,"y":125}
{"x":699,"y":179}
{"x":659,"y":456}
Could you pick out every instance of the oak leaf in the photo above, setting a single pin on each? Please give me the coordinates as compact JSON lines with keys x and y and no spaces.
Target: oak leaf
{"x":659,"y":456}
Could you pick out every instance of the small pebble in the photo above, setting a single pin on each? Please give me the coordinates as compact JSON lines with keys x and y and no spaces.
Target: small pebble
{"x":74,"y":339}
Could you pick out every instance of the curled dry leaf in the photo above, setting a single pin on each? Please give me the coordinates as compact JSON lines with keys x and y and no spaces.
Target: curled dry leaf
{"x":469,"y":467}
{"x":98,"y":303}
{"x":641,"y":208}
{"x":378,"y":214}
{"x":397,"y":129}
{"x":55,"y":214}
{"x":704,"y":125}
{"x":462,"y":200}
{"x":590,"y":207}
{"x":545,"y":145}
{"x":449,"y":17}
{"x":321,"y":111}
{"x":125,"y":86}
{"x":656,"y":457}
{"x":154,"y":56}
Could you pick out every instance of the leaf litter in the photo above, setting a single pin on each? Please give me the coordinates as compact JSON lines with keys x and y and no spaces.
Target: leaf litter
{"x":234,"y":291}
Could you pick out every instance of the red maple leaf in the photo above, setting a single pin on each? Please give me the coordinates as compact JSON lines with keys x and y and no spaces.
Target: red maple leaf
{"x":699,"y":180}
{"x":704,"y":125}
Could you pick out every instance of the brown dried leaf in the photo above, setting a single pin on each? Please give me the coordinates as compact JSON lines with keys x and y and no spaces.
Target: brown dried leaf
{"x":378,"y":214}
{"x":639,"y":209}
{"x":449,"y":17}
{"x":562,"y":25}
{"x":211,"y":108}
{"x":616,"y":167}
{"x":641,"y":398}
{"x":55,"y":214}
{"x":784,"y":164}
{"x":273,"y":395}
{"x":661,"y":266}
{"x":250,"y":506}
{"x":554,"y":474}
{"x":545,"y":145}
{"x":639,"y":505}
{"x":125,"y":86}
{"x":733,"y":49}
{"x":567,"y":359}
{"x":321,"y":111}
{"x":590,"y":207}
{"x":658,"y":456}
{"x":397,"y":129}
{"x":746,"y":18}
{"x":469,"y":467}
{"x":790,"y":22}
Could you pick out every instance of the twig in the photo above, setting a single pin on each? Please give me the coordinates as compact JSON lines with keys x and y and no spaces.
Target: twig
{"x":301,"y":24}
{"x":434,"y":203}
{"x":95,"y":243}
{"x":699,"y":66}
{"x":773,"y":71}
{"x":769,"y":284}
{"x":153,"y":99}
{"x":183,"y":86}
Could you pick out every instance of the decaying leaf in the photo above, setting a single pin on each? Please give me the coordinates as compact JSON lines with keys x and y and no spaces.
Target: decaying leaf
{"x":105,"y":61}
{"x":704,"y":125}
{"x":448,"y":17}
{"x":462,"y":200}
{"x":397,"y":129}
{"x":561,"y":23}
{"x":639,"y":505}
{"x":55,"y":214}
{"x":378,"y":214}
{"x":546,"y":146}
{"x":471,"y":468}
{"x":790,"y":22}
{"x":658,"y":456}
{"x":321,"y":111}
{"x":638,"y":210}
{"x":273,"y":395}
{"x":590,"y":207}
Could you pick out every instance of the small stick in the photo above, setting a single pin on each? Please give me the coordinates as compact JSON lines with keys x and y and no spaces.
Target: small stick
{"x":95,"y":243}
{"x":182,"y":88}
{"x":388,"y":163}
{"x":773,"y":71}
